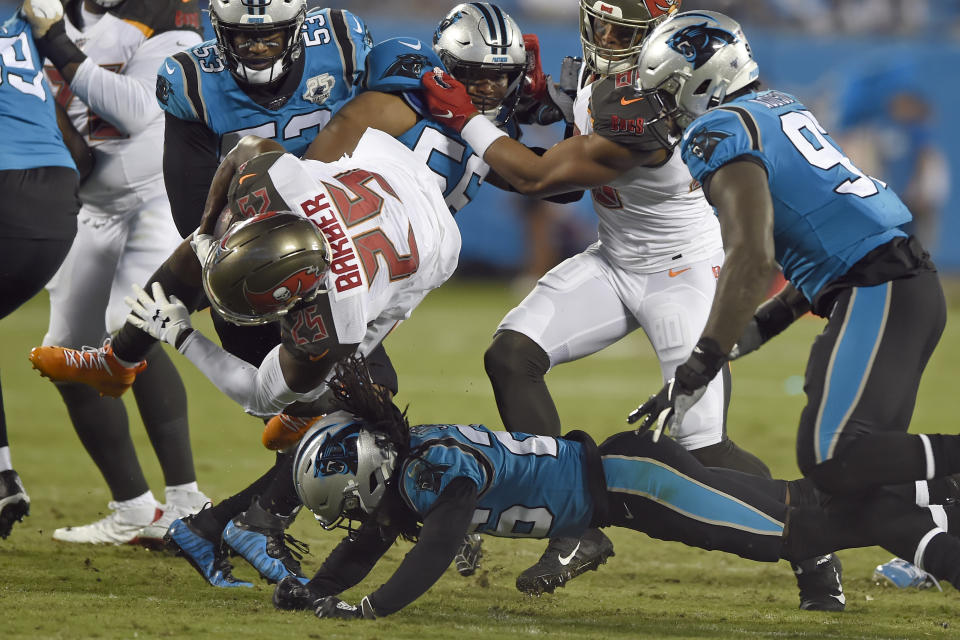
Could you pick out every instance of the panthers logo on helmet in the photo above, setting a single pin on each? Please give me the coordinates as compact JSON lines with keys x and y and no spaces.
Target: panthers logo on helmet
{"x":276,"y":297}
{"x":445,"y":24}
{"x":705,"y":143}
{"x":407,"y":65}
{"x":338,"y":455}
{"x":698,"y":43}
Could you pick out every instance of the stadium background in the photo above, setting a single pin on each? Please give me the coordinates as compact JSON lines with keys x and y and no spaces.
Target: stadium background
{"x":843,"y":58}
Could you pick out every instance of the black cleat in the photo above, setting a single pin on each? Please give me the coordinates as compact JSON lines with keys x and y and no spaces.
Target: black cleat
{"x":293,"y":595}
{"x":14,"y":501}
{"x":820,"y":582}
{"x":469,"y":555}
{"x":564,"y":560}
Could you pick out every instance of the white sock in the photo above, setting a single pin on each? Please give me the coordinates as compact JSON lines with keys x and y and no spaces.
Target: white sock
{"x":173,"y":489}
{"x":5,"y":464}
{"x":144,"y":500}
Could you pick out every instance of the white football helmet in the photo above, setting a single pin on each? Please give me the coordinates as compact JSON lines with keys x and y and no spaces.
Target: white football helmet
{"x":625,"y":21}
{"x":258,"y":19}
{"x":480,"y":37}
{"x":693,"y":61}
{"x":341,"y":470}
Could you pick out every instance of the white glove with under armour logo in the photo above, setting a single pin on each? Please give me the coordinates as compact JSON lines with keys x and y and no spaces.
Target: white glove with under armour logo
{"x":41,"y":14}
{"x":163,"y":318}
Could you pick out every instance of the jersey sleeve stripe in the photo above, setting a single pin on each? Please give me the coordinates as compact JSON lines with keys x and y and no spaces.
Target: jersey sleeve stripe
{"x":146,"y":30}
{"x":749,"y":125}
{"x":348,"y":51}
{"x":191,"y":82}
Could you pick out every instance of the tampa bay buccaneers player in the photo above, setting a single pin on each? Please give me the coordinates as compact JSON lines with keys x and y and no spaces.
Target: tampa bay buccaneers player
{"x":654,"y":266}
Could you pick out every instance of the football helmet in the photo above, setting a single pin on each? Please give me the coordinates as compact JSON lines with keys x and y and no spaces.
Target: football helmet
{"x":341,"y":469}
{"x":108,"y":4}
{"x":693,"y":61}
{"x":238,"y":24}
{"x":264,"y":266}
{"x":612,"y":33}
{"x":478,"y":39}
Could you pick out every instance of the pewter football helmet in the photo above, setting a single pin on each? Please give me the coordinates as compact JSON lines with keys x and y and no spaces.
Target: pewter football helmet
{"x":630,"y":19}
{"x":264,"y":266}
{"x":341,"y":470}
{"x":693,"y":61}
{"x":480,"y":37}
{"x":257,"y":19}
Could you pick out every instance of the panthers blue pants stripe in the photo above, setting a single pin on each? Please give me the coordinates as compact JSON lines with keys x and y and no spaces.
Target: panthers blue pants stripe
{"x":660,"y":483}
{"x":850,"y":364}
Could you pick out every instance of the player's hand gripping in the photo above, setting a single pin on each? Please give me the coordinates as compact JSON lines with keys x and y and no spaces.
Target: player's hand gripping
{"x":334,"y":607}
{"x":534,"y":81}
{"x":42,"y":14}
{"x":668,"y":406}
{"x":447,"y":99}
{"x":163,"y":318}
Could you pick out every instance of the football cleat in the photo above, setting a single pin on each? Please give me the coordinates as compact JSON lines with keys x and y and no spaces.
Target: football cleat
{"x":97,"y":367}
{"x":259,"y":536}
{"x":821,"y":583}
{"x":469,"y":554}
{"x":179,"y":505}
{"x":120,"y":526}
{"x":283,"y":431}
{"x":564,"y":560}
{"x":293,"y":595}
{"x":203,"y":554}
{"x":904,"y":575}
{"x":14,"y":501}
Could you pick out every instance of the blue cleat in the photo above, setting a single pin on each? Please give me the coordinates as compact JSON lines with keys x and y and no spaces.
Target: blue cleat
{"x":903,"y":575}
{"x":259,"y":537}
{"x":202,"y":554}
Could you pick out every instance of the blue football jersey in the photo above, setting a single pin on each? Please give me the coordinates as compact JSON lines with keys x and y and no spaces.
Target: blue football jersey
{"x":396,"y":66}
{"x":195,"y":85}
{"x":827,"y":213}
{"x":529,"y":486}
{"x":28,"y":117}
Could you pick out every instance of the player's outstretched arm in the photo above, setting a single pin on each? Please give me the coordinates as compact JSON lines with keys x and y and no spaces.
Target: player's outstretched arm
{"x":370,"y":109}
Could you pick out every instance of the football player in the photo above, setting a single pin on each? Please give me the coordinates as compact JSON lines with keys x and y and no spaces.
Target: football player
{"x":654,"y":266}
{"x":40,"y":179}
{"x":432,"y":483}
{"x":786,"y":194}
{"x":105,"y":84}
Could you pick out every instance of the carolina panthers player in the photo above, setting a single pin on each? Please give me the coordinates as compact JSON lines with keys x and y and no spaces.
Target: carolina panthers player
{"x":39,"y":179}
{"x":785,"y":193}
{"x":655,"y":264}
{"x":431,"y":483}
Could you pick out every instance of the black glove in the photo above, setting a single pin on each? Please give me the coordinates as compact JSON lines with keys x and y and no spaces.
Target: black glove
{"x":770,"y":318}
{"x":668,"y":406}
{"x":334,"y":607}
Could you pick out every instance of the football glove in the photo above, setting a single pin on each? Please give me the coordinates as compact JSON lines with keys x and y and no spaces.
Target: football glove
{"x":202,"y":244}
{"x":447,"y":99}
{"x":42,"y":14}
{"x":165,"y":319}
{"x":667,"y":407}
{"x":334,"y":607}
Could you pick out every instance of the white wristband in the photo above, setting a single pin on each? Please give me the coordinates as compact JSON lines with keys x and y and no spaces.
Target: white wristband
{"x":480,"y":133}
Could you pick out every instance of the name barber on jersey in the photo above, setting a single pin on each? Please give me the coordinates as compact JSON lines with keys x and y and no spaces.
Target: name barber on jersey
{"x":348,"y":277}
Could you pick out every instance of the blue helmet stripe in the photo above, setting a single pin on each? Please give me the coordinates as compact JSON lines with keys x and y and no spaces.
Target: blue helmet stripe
{"x":494,"y":37}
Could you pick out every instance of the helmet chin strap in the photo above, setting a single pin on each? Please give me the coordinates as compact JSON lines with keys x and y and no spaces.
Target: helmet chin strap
{"x":261,"y":76}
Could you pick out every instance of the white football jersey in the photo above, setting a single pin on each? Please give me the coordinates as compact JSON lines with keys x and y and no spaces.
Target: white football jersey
{"x":651,"y":218}
{"x":391,"y":234}
{"x":112,"y":103}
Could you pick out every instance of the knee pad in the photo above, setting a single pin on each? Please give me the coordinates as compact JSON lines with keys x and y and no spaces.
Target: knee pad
{"x":511,"y":354}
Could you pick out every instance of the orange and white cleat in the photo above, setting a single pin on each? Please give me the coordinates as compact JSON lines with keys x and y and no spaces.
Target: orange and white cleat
{"x":97,"y":367}
{"x":283,"y":431}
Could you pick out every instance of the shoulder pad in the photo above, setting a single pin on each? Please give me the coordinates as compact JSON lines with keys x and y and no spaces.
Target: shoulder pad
{"x":158,"y":16}
{"x":620,"y":113}
{"x":178,"y":87}
{"x":397,"y":65}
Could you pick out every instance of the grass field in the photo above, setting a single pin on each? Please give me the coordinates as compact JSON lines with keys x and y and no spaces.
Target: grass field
{"x":650,"y":589}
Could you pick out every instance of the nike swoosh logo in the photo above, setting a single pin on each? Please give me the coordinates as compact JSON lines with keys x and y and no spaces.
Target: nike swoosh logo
{"x":448,"y":114}
{"x":169,"y":69}
{"x":415,"y":47}
{"x":625,"y":102}
{"x":674,"y":274}
{"x":359,"y":27}
{"x":566,"y":560}
{"x":242,"y":178}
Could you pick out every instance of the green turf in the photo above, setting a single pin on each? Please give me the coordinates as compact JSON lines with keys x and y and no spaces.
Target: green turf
{"x":650,"y":589}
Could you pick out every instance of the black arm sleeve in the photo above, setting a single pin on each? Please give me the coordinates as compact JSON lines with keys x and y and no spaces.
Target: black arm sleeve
{"x":442,"y":534}
{"x":190,"y":159}
{"x":350,"y":561}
